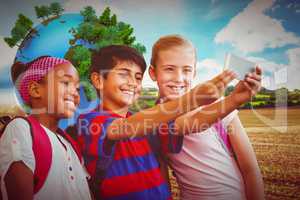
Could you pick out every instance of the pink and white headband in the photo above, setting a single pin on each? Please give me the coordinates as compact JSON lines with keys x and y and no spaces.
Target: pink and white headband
{"x":35,"y":72}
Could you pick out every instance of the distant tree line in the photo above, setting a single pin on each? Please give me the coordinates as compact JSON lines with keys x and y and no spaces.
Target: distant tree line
{"x":272,"y":98}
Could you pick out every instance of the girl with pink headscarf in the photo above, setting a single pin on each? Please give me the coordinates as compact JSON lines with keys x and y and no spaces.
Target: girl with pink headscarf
{"x":37,"y":159}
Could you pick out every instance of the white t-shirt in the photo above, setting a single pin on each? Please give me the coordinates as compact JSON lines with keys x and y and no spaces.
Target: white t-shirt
{"x":204,"y":169}
{"x":67,"y":178}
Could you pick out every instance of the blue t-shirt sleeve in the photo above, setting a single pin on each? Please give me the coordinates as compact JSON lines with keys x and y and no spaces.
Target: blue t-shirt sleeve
{"x":165,"y":140}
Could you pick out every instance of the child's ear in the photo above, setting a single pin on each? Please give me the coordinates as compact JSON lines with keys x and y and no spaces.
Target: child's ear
{"x":34,"y":89}
{"x":151,"y":72}
{"x":97,"y":80}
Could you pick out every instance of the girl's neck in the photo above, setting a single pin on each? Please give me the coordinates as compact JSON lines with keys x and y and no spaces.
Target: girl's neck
{"x":122,"y":111}
{"x":47,"y":120}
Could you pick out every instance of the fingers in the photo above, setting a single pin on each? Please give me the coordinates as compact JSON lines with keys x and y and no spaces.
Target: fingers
{"x":253,"y":76}
{"x":254,"y":83}
{"x":224,"y":78}
{"x":258,"y":70}
{"x":249,"y":87}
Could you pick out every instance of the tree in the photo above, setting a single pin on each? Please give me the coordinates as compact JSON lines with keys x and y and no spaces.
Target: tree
{"x":139,"y":47}
{"x":42,"y":12}
{"x":56,"y":9}
{"x":105,"y":17}
{"x":18,"y":32}
{"x":10,"y":41}
{"x":25,"y":21}
{"x":87,"y":31}
{"x":38,"y":12}
{"x":114,"y":20}
{"x":45,"y":11}
{"x":89,"y":14}
{"x":95,"y":33}
{"x":22,"y":26}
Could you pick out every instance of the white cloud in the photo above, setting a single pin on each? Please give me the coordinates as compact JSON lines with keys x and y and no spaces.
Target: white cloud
{"x":275,"y":75}
{"x":253,"y":31}
{"x":207,"y":69}
{"x":275,"y":7}
{"x":281,"y":75}
{"x":298,"y":11}
{"x":7,"y":54}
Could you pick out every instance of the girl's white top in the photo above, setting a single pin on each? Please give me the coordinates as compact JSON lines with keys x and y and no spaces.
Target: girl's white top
{"x":205,"y":170}
{"x":67,"y":178}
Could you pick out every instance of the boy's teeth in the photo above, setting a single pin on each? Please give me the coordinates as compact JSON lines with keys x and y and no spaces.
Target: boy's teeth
{"x":128,"y":92}
{"x":71,"y":103}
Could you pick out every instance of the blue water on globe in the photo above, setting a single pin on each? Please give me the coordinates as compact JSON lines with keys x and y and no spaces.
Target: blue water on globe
{"x":53,"y":40}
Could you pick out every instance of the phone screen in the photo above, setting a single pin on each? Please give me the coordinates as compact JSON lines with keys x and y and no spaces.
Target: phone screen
{"x":239,"y":65}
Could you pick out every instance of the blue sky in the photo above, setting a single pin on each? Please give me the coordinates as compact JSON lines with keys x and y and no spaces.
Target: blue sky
{"x":264,"y":31}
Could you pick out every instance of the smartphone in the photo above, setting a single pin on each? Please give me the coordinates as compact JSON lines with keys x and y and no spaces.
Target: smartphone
{"x":239,"y":65}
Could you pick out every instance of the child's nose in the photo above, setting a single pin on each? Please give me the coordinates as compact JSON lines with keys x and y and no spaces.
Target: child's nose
{"x":73,"y":90}
{"x":178,"y":76}
{"x":132,"y":81}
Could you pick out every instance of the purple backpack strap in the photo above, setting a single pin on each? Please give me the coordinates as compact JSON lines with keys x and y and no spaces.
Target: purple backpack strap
{"x":42,"y":151}
{"x":222,"y":133}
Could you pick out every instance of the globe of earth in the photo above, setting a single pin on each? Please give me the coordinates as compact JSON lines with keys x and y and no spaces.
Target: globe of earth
{"x":53,"y":39}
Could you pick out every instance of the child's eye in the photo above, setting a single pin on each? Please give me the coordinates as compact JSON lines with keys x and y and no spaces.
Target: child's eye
{"x":187,"y":70}
{"x":123,"y":74}
{"x":169,"y":69}
{"x":66,"y":83}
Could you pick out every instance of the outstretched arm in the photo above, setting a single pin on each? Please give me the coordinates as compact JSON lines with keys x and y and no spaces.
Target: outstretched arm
{"x":246,"y":160}
{"x":201,"y":119}
{"x":148,"y":120}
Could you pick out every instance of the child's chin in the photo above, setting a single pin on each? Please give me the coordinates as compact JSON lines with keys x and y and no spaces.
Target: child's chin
{"x":173,"y":96}
{"x":68,"y":114}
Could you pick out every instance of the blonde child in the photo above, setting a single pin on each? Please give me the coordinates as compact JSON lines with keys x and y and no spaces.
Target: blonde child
{"x":37,"y":159}
{"x":204,"y":167}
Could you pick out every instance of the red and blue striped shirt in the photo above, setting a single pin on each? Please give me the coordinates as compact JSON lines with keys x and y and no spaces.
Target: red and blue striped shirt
{"x":131,"y":169}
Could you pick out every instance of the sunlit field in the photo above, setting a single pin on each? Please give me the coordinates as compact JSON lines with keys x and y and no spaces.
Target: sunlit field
{"x":275,"y":136}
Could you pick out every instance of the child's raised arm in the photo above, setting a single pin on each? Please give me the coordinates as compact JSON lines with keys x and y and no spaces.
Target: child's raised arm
{"x":146,"y":121}
{"x":201,"y":119}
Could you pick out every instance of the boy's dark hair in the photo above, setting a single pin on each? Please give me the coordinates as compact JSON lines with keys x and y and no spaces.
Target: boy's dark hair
{"x":107,"y":58}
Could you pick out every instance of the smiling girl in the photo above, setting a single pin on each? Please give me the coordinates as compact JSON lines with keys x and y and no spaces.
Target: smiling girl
{"x":37,"y":159}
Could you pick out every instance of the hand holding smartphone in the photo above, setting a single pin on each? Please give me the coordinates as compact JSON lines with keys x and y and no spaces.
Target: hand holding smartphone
{"x":239,"y":65}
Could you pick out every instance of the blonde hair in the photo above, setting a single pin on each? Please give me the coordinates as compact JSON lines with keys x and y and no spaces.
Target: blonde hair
{"x":167,"y":42}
